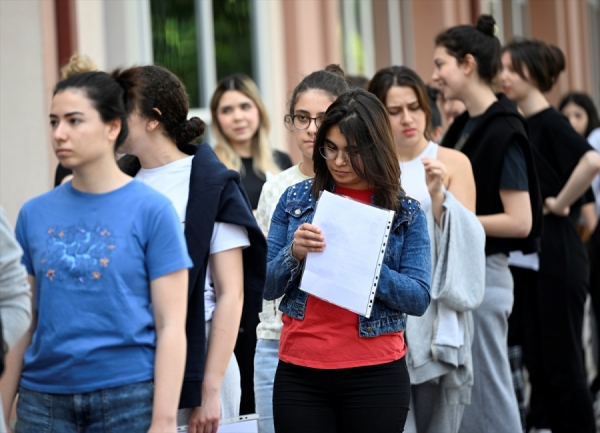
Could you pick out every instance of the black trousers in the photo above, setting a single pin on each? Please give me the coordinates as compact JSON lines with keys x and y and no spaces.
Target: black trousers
{"x":361,"y":399}
{"x":524,"y":330}
{"x":555,"y":356}
{"x":244,"y":350}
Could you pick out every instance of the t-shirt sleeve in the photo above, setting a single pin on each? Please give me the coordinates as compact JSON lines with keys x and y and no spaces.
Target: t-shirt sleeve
{"x":228,"y":236}
{"x":21,"y":235}
{"x":514,"y":169}
{"x":166,"y":249}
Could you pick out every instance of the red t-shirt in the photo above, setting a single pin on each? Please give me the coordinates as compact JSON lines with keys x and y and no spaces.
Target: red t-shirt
{"x":328,"y":337}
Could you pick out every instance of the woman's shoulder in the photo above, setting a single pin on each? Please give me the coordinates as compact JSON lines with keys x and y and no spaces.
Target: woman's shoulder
{"x":299,"y":191}
{"x":409,"y":207}
{"x":453,"y":159}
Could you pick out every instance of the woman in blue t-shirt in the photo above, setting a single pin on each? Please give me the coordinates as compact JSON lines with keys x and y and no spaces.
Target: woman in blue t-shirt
{"x":107,"y":264}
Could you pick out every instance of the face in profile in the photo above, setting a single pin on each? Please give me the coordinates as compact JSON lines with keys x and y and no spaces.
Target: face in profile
{"x":137,"y":133}
{"x":238,"y":117}
{"x":513,"y":85}
{"x":448,"y":74}
{"x":79,"y":136}
{"x":337,"y":155}
{"x":407,"y":118}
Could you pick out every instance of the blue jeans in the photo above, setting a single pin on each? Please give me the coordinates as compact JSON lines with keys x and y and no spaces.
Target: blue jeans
{"x":265,"y":366}
{"x":125,"y":409}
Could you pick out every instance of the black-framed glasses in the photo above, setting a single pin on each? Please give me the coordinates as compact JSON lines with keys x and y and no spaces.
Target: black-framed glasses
{"x":332,"y":154}
{"x":301,"y":121}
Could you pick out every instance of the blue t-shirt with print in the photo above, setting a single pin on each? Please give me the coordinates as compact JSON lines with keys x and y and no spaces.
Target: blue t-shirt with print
{"x":93,"y":257}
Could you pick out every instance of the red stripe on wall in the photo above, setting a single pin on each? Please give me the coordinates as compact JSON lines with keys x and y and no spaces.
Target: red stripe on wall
{"x":66,"y":30}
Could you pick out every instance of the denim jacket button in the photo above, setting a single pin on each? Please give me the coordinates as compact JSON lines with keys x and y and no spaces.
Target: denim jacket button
{"x":297,"y":211}
{"x":369,"y":329}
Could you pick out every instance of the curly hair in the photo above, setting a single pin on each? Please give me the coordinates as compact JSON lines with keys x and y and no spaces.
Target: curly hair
{"x":162,"y":96}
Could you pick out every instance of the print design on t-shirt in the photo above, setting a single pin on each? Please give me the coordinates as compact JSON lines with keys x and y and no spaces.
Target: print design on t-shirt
{"x":76,"y":254}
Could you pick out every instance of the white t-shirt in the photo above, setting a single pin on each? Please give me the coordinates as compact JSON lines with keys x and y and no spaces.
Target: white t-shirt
{"x":412,"y":176}
{"x":594,"y":140}
{"x":173,"y":180}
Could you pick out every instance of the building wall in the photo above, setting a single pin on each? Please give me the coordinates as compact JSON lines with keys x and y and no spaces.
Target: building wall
{"x":302,"y":35}
{"x":26,"y":80}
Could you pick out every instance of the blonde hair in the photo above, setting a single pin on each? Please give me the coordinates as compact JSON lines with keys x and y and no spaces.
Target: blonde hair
{"x":78,"y":64}
{"x":262,"y":155}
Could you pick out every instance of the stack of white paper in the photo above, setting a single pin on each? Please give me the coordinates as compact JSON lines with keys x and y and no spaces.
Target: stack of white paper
{"x":346,"y":273}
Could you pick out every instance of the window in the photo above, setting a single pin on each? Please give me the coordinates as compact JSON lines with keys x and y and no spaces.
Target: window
{"x":198,"y":48}
{"x":358,"y":37}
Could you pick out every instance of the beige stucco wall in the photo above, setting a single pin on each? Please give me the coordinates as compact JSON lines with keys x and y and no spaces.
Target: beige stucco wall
{"x":25,"y":159}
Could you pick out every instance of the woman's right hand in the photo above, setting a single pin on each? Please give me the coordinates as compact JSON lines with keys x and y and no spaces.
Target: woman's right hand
{"x":307,"y":238}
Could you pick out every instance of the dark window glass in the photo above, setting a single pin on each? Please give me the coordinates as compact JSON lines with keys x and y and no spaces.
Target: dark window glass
{"x":174,"y":42}
{"x":233,"y":39}
{"x":174,"y":36}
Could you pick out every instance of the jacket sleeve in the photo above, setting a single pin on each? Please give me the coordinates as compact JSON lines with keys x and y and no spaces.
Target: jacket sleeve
{"x":407,"y":288}
{"x":458,"y":251}
{"x":283,"y":270}
{"x":15,"y":295}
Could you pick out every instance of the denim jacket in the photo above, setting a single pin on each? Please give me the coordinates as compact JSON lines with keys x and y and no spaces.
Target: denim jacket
{"x":404,"y":281}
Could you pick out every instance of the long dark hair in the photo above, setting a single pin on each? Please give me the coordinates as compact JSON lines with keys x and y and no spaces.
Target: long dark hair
{"x":584,"y":101}
{"x":480,"y":41}
{"x":364,"y":122}
{"x":402,"y":76}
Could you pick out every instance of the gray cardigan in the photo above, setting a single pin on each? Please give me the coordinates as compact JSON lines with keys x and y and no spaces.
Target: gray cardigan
{"x":15,"y":296}
{"x":15,"y":302}
{"x":439,"y":342}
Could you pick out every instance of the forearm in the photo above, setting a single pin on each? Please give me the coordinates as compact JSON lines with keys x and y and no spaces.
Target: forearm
{"x":281,"y":272}
{"x":223,"y":335}
{"x":9,"y":384}
{"x":502,"y":225}
{"x":580,"y":180}
{"x":168,"y":373}
{"x":407,"y":292}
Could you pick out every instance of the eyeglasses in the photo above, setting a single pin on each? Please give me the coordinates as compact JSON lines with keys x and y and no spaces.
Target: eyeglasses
{"x":301,"y":121}
{"x":332,"y":154}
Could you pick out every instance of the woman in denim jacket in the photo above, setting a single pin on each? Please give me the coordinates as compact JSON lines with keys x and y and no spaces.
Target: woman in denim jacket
{"x":333,"y":374}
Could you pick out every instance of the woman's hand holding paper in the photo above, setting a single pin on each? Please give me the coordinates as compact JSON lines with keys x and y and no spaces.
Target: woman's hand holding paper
{"x":307,"y":238}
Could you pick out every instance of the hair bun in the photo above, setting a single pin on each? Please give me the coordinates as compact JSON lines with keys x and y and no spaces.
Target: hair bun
{"x":335,"y":69}
{"x":189,"y":131}
{"x":78,"y":64}
{"x":486,"y":24}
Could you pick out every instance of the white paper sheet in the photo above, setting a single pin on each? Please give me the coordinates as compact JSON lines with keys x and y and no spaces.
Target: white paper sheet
{"x":240,"y":424}
{"x":347,"y":271}
{"x":244,"y":424}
